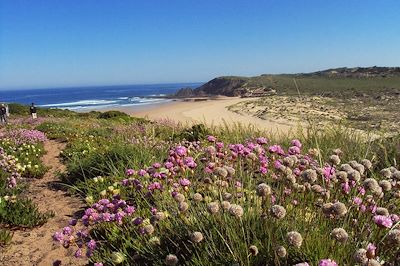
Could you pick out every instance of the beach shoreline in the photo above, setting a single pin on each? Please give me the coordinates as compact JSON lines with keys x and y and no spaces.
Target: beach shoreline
{"x":212,"y":111}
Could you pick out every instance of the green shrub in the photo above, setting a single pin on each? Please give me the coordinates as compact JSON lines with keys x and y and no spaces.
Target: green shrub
{"x":195,"y":133}
{"x":21,"y":213}
{"x":113,"y":114}
{"x":20,"y":109}
{"x":111,"y":160}
{"x":58,"y":130}
{"x":121,"y":117}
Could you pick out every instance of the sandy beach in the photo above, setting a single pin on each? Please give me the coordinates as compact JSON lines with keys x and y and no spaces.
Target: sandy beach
{"x":208,"y":111}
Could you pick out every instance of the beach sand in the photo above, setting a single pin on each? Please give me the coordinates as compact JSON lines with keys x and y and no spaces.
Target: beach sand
{"x":210,"y":111}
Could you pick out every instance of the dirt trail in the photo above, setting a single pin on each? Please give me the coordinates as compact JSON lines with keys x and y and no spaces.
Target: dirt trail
{"x":35,"y":247}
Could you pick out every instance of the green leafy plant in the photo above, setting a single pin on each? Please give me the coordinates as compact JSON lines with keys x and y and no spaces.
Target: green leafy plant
{"x":21,"y":213}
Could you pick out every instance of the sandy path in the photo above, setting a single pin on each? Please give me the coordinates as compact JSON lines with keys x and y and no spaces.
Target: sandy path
{"x":35,"y":247}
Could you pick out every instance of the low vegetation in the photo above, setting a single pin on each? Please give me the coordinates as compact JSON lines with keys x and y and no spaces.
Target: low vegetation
{"x":20,"y":160}
{"x":165,"y":194}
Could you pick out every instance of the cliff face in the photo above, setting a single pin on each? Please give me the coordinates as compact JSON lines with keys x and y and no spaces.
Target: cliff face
{"x":185,"y":92}
{"x":227,"y":86}
{"x":223,"y":86}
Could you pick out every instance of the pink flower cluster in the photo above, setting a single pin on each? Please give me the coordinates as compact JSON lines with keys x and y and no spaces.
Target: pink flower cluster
{"x":102,"y":211}
{"x":80,"y":238}
{"x":20,"y":136}
{"x":107,"y":211}
{"x":383,"y":221}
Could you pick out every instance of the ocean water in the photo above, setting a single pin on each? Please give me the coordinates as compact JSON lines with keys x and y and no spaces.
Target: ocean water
{"x":94,"y":98}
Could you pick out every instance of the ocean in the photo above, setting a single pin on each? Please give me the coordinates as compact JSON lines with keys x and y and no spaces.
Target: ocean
{"x":96,"y":97}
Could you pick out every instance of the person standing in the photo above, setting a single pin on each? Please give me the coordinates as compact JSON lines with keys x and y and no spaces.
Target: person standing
{"x":33,"y":111}
{"x":3,"y":114}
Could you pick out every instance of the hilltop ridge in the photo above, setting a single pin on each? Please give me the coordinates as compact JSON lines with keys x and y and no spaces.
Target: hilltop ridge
{"x":335,"y":81}
{"x":357,"y":72}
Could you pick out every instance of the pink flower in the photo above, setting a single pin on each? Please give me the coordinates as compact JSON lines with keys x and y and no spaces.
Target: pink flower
{"x":156,"y":165}
{"x":296,"y":143}
{"x":189,"y":162}
{"x":67,"y":230}
{"x":297,"y":171}
{"x":273,"y":199}
{"x":294,"y":150}
{"x":371,"y":248}
{"x":261,"y":140}
{"x":219,"y":145}
{"x":129,"y":210}
{"x":58,"y":236}
{"x":395,"y":218}
{"x":383,"y":221}
{"x":168,"y":165}
{"x":208,"y":170}
{"x":328,"y":172}
{"x":78,"y":253}
{"x":357,"y":201}
{"x":180,"y":151}
{"x":327,"y":262}
{"x":91,"y":245}
{"x":73,"y":222}
{"x":184,"y":182}
{"x":154,"y":186}
{"x":345,"y":187}
{"x":130,"y":172}
{"x":263,"y":170}
{"x":372,"y":208}
{"x":211,"y":138}
{"x":276,"y":149}
{"x":277,"y":164}
{"x":142,"y":172}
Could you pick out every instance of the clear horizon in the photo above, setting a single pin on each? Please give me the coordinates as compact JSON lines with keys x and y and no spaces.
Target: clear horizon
{"x":97,"y":86}
{"x":47,"y":44}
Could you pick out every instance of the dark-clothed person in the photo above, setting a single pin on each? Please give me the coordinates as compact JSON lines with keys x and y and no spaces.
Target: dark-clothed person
{"x":33,"y":111}
{"x":3,"y":114}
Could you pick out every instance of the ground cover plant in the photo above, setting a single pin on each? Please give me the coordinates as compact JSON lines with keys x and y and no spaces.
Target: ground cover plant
{"x":20,"y":159}
{"x":237,"y":196}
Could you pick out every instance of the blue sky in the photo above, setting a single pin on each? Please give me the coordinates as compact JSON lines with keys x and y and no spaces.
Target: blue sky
{"x":92,"y":42}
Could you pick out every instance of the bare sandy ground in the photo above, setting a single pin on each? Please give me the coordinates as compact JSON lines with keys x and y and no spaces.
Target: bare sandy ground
{"x":35,"y":246}
{"x":210,"y":111}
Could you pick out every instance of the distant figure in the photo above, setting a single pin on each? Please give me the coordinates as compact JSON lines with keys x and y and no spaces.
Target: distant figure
{"x":3,"y":114}
{"x":33,"y":111}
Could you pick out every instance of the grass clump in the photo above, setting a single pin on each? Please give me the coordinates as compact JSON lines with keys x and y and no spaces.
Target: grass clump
{"x":5,"y":237}
{"x":21,"y":213}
